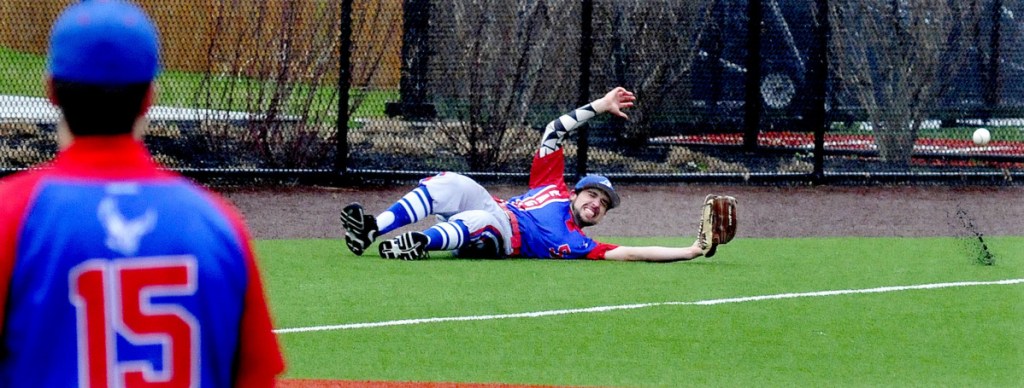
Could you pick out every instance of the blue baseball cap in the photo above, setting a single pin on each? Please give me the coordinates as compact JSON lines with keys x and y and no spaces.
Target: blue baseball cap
{"x":601,"y":183}
{"x":104,"y":42}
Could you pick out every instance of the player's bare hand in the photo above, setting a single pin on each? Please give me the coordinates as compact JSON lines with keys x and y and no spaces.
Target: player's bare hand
{"x":615,"y":101}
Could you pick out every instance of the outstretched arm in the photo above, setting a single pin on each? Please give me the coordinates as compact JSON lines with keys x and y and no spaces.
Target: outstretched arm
{"x":613,"y":102}
{"x":654,"y":253}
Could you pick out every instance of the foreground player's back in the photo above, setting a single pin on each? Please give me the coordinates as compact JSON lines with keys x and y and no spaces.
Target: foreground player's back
{"x":125,"y":279}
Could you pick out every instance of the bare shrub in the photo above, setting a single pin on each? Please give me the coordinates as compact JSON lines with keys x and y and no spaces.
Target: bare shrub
{"x":678,"y":160}
{"x":25,"y":145}
{"x":395,"y":137}
{"x":277,"y":61}
{"x":164,"y":131}
{"x":685,"y":159}
{"x":501,"y":58}
{"x":649,"y":47}
{"x":423,"y":140}
{"x":796,"y":165}
{"x":24,"y":155}
{"x":167,"y":160}
{"x":897,"y":57}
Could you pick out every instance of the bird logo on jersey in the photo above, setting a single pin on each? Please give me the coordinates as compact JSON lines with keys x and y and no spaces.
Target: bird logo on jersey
{"x":123,"y":235}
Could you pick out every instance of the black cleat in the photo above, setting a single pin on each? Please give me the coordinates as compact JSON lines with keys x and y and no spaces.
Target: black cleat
{"x":360,"y":228}
{"x":407,"y":246}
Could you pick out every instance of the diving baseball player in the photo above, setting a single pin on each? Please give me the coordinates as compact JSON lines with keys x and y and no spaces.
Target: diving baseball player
{"x":545,"y":222}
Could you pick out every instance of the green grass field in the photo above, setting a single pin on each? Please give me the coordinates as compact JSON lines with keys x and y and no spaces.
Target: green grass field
{"x":454,"y":320}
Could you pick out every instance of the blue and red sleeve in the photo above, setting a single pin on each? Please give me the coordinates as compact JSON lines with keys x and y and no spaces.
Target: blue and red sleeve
{"x":259,"y":355}
{"x":15,"y":194}
{"x":548,"y":170}
{"x":598,"y":252}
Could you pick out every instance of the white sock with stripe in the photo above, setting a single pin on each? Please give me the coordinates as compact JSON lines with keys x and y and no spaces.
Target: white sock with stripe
{"x":410,"y":209}
{"x":447,"y":236}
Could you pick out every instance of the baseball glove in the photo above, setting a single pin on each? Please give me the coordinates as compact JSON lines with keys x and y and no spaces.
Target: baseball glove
{"x":717,"y":223}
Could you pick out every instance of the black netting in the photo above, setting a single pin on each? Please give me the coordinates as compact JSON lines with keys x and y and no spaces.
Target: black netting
{"x":842,"y":89}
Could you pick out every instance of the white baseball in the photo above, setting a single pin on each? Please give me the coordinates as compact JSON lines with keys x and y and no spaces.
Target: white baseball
{"x":981,"y":136}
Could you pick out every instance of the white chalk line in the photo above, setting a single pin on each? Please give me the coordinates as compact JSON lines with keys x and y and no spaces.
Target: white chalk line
{"x":601,"y":309}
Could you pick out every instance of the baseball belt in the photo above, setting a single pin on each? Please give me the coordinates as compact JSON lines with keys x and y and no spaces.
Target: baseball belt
{"x":516,"y":239}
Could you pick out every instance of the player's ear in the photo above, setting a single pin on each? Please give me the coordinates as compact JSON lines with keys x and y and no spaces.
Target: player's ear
{"x":51,"y":91}
{"x":141,"y":121}
{"x":149,"y":99}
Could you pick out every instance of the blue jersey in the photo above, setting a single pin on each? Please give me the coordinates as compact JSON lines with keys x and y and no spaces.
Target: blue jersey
{"x":543,"y":216}
{"x":547,"y":226}
{"x":127,"y":280}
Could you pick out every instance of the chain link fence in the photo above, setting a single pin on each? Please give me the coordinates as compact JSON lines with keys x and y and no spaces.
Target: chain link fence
{"x":728,"y":90}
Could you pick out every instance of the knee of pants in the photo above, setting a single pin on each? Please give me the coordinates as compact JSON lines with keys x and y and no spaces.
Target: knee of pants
{"x":485,"y":238}
{"x":478,"y":221}
{"x":449,"y":179}
{"x":452,"y":193}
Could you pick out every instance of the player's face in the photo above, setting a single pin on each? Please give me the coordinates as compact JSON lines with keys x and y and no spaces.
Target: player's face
{"x":589,"y":206}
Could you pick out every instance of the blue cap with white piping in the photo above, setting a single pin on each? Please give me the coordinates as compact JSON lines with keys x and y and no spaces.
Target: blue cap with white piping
{"x":601,"y":183}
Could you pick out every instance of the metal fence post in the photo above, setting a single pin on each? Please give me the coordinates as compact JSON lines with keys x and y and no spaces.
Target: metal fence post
{"x":992,"y":80}
{"x":586,"y":55}
{"x":416,"y":49}
{"x":818,"y":74}
{"x":344,"y":82}
{"x":752,"y":83}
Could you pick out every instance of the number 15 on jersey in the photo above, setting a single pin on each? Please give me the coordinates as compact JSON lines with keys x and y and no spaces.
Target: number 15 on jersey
{"x":116,"y":298}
